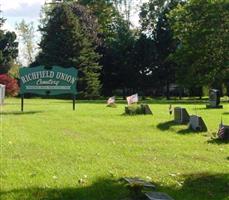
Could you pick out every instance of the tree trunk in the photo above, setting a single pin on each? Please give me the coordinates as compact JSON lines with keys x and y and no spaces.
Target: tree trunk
{"x":167,"y":91}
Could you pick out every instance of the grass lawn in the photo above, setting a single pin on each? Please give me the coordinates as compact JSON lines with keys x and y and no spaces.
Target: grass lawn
{"x":50,"y":152}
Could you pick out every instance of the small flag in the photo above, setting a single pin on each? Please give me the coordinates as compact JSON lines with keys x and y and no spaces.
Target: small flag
{"x":221,"y":132}
{"x":111,"y":100}
{"x":170,"y":109}
{"x":132,"y":99}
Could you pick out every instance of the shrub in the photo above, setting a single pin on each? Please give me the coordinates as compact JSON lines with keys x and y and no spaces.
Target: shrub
{"x":11,"y":84}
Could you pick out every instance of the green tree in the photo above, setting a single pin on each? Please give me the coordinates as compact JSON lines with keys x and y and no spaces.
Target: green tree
{"x":64,"y":43}
{"x":144,"y":61}
{"x":201,"y":27}
{"x":118,"y":69}
{"x":8,"y":48}
{"x":154,"y":23}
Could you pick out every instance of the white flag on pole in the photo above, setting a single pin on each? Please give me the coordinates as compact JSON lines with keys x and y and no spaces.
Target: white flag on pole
{"x":111,"y":100}
{"x":132,"y":99}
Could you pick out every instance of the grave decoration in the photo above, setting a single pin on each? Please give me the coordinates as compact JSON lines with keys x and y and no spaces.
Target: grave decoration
{"x":196,"y":123}
{"x":141,"y":189}
{"x":2,"y":93}
{"x":214,"y":99}
{"x":43,"y":80}
{"x":111,"y":102}
{"x":132,"y":99}
{"x":181,"y":115}
{"x":223,"y":132}
{"x":136,"y":109}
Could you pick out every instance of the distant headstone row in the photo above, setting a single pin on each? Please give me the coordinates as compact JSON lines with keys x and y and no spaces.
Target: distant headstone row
{"x":2,"y":93}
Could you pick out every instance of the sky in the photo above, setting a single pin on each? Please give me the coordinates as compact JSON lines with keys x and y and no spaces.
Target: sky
{"x":29,"y":10}
{"x":16,"y":10}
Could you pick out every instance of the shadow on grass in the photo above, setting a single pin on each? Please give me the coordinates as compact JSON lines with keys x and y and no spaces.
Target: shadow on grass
{"x":218,"y":141}
{"x":226,"y":113}
{"x":200,"y":186}
{"x":20,"y":113}
{"x":102,"y":189}
{"x":187,"y":131}
{"x":167,"y":125}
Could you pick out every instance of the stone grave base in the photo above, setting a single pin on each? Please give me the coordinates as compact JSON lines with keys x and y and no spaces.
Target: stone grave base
{"x":214,"y":107}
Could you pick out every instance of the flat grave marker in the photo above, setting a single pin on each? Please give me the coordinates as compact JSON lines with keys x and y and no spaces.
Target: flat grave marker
{"x":157,"y":196}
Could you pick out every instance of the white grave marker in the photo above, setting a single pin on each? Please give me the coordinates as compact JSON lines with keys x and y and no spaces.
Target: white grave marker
{"x":2,"y":93}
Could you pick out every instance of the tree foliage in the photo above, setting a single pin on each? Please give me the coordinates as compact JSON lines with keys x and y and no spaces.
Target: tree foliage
{"x":155,"y":26}
{"x":65,"y":43}
{"x":8,"y":48}
{"x":201,"y":27}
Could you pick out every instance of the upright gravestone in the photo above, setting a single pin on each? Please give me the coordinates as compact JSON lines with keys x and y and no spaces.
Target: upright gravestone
{"x":214,"y":99}
{"x":196,"y":123}
{"x":2,"y":93}
{"x":181,"y":115}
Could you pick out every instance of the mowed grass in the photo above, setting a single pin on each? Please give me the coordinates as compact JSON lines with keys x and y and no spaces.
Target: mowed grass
{"x":50,"y":152}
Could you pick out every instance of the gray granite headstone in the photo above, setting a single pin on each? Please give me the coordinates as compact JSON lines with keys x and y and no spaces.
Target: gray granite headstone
{"x":181,"y":115}
{"x":214,"y":99}
{"x":196,"y":123}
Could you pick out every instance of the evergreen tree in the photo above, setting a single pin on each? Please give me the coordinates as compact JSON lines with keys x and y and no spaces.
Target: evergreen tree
{"x":8,"y":48}
{"x":65,"y":44}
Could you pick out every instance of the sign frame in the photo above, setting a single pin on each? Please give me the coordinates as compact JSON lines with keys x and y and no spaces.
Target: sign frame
{"x":43,"y":80}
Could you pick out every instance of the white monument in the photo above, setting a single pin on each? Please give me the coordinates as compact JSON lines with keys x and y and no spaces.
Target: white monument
{"x":2,"y":93}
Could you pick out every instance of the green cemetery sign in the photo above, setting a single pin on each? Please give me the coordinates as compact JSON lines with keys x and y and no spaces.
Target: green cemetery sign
{"x":48,"y":80}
